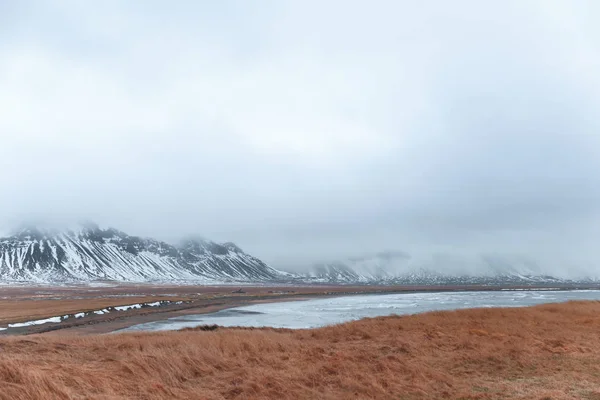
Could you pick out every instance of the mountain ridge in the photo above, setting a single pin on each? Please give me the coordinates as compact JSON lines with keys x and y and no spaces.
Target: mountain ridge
{"x":90,"y":253}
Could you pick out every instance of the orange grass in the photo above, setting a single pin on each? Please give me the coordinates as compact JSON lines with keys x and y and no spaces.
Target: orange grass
{"x":542,"y":352}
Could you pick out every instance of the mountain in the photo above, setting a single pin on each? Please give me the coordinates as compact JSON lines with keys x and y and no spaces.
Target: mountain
{"x":378,"y":267}
{"x":399,"y":268}
{"x":89,"y":253}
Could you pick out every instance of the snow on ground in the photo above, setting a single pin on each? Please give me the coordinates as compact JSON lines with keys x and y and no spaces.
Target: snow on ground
{"x":132,"y":306}
{"x":107,"y":310}
{"x":36,"y":322}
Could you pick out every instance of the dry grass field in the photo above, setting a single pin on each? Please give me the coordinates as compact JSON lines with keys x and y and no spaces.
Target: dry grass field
{"x":543,"y":352}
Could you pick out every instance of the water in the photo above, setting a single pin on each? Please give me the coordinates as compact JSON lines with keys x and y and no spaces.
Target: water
{"x":321,"y":312}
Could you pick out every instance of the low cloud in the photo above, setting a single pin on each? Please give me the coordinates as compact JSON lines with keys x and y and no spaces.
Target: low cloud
{"x":307,"y":131}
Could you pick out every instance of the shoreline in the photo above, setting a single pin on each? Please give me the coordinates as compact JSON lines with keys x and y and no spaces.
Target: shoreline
{"x":114,"y":326}
{"x":198,"y":300}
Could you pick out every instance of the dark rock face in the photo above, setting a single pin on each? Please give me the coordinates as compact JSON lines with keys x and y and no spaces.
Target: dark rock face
{"x":91,"y":253}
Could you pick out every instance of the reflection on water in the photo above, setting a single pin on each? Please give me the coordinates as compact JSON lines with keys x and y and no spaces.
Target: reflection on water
{"x":320,"y":312}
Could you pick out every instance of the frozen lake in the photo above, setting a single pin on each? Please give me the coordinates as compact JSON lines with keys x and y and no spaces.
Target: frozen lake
{"x":321,"y":312}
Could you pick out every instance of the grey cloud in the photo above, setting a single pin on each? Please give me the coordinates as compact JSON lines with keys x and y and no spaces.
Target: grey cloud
{"x":308,"y":131}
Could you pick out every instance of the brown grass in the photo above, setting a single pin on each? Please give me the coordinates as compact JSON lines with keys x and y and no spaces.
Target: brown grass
{"x":543,"y":352}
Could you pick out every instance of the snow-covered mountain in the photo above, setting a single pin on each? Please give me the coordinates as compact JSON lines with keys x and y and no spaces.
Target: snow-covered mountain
{"x":90,"y":253}
{"x":399,"y":268}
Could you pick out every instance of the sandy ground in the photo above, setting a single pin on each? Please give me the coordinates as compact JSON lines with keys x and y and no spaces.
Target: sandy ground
{"x":26,"y":303}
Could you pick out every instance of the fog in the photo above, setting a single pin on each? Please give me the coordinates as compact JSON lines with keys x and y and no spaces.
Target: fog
{"x":307,"y":131}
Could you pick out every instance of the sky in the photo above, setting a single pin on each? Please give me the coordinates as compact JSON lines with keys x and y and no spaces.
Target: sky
{"x":309,"y":130}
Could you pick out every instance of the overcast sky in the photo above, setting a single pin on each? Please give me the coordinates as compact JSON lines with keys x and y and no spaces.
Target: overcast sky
{"x":309,"y":130}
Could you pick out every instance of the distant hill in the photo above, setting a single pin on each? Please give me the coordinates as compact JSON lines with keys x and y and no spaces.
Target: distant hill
{"x":398,"y":268}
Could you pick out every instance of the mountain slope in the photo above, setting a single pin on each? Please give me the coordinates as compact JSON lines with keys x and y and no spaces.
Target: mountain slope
{"x":90,"y":253}
{"x":400,"y":268}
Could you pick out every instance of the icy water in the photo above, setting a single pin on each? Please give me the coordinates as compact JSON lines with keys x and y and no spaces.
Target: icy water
{"x":321,"y":312}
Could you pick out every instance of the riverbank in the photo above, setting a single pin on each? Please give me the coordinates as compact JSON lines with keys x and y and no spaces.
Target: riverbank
{"x":23,"y":304}
{"x":544,"y":352}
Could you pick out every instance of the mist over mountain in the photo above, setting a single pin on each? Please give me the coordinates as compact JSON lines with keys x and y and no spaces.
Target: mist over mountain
{"x":440,"y":269}
{"x":86,"y":253}
{"x":464,"y":134}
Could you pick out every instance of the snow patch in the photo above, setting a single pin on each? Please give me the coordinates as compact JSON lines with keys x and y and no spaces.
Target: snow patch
{"x":36,"y":322}
{"x":97,"y":312}
{"x":129,"y":307}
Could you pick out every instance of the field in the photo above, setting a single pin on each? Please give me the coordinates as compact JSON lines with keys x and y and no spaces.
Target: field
{"x":543,"y":352}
